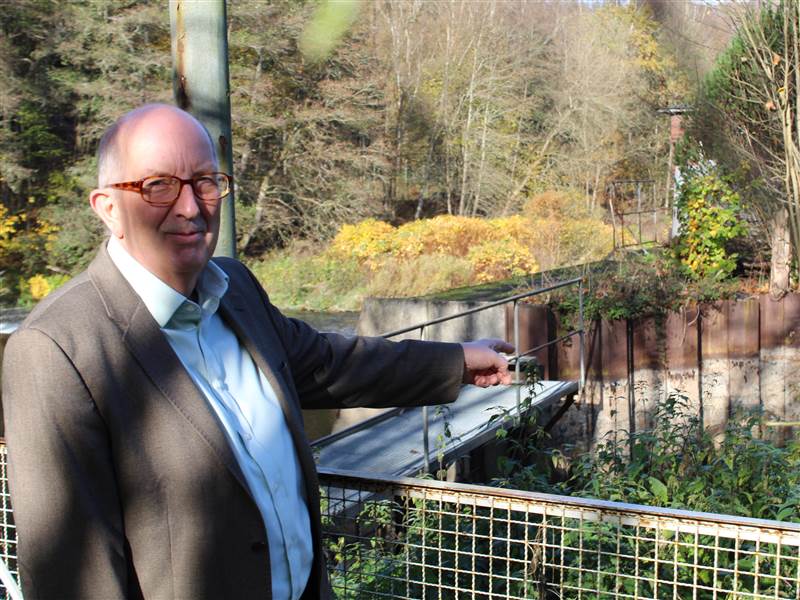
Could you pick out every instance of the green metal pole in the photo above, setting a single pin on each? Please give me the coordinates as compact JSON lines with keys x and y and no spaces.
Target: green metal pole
{"x":201,"y":86}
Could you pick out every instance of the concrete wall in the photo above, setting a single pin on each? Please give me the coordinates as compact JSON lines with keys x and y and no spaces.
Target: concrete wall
{"x":380,"y":315}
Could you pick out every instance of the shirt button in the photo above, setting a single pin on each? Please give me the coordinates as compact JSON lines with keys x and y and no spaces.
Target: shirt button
{"x":258,"y":546}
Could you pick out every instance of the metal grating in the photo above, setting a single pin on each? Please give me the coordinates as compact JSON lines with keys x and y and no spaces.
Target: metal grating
{"x":405,"y":538}
{"x":8,"y":532}
{"x":424,"y":539}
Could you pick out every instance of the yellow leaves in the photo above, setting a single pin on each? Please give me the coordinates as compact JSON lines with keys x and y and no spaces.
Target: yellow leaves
{"x":776,"y":59}
{"x":22,"y":234}
{"x":39,"y":287}
{"x":364,"y":241}
{"x":445,"y":234}
{"x":553,"y":231}
{"x":501,"y":259}
{"x":8,"y":223}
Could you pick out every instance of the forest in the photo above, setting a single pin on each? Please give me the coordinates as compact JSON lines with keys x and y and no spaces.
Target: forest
{"x":415,"y":110}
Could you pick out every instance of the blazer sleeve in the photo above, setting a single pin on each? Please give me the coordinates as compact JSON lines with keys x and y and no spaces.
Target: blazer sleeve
{"x":335,"y":371}
{"x":71,"y":542}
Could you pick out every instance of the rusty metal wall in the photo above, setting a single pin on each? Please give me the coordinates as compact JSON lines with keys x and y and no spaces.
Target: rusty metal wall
{"x":725,"y":356}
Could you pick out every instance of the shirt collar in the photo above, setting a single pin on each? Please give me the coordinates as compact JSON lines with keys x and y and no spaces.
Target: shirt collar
{"x":161,"y":300}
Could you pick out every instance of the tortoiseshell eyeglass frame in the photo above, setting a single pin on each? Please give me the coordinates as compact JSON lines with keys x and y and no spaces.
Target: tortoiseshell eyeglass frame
{"x":138,"y":186}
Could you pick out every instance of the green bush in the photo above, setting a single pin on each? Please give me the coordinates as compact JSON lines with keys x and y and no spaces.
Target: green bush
{"x":677,"y":463}
{"x":709,"y":213}
{"x":299,"y":281}
{"x":425,"y":274}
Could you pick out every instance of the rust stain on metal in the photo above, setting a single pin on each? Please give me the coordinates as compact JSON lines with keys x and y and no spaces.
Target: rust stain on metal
{"x":743,"y":328}
{"x":716,"y":327}
{"x":181,"y":85}
{"x":772,"y":322}
{"x":681,"y":339}
{"x":533,"y":331}
{"x":615,"y":351}
{"x":791,"y":320}
{"x":646,"y":353}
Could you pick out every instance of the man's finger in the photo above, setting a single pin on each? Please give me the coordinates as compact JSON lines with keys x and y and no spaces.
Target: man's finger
{"x":502,"y":346}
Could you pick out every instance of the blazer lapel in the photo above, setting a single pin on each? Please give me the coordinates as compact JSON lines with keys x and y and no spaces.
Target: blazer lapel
{"x":146,"y":342}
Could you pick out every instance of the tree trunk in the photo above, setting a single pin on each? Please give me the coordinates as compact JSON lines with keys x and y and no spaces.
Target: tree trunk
{"x":261,"y":201}
{"x":780,"y":264}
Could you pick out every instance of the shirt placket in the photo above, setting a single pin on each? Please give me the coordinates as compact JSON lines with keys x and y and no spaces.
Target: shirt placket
{"x":215,"y":375}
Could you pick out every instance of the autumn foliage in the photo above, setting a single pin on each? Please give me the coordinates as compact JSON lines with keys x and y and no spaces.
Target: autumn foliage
{"x":555,"y":229}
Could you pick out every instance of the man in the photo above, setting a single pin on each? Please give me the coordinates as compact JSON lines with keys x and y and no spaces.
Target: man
{"x":152,"y":405}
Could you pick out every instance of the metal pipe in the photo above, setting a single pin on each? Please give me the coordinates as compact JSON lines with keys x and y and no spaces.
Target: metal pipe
{"x":425,"y":443}
{"x":566,"y":336}
{"x":201,"y":87}
{"x":354,"y":480}
{"x":516,"y":350}
{"x":639,"y":207}
{"x":582,"y":381}
{"x":483,"y":307}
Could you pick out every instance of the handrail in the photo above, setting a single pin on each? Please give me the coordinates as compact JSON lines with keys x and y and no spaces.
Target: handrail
{"x":373,"y":480}
{"x":518,"y":354}
{"x":487,"y":306}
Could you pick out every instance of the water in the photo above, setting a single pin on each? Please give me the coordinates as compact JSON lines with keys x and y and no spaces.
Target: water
{"x":338,"y":322}
{"x":10,"y":319}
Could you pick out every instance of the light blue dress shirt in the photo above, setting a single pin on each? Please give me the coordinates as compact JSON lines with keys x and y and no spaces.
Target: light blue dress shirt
{"x":245,"y":403}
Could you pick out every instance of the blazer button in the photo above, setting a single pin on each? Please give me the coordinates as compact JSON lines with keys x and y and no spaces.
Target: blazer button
{"x":258,"y":546}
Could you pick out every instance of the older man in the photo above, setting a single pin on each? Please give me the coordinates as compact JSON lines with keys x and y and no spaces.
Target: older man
{"x":152,"y":404}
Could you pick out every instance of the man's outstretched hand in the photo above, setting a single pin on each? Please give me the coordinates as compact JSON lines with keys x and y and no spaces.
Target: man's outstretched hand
{"x":483,"y":366}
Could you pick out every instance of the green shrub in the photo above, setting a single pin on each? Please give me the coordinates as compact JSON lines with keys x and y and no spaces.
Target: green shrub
{"x":299,"y":281}
{"x":677,"y":463}
{"x":709,"y":213}
{"x":426,"y":274}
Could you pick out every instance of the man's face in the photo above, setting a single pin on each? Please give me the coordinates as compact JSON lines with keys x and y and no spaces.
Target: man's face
{"x":173,"y":242}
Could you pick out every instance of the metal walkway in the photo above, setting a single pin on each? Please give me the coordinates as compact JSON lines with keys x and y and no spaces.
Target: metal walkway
{"x":392,"y":443}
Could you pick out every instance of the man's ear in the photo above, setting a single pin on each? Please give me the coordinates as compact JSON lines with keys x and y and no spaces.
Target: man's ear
{"x":105,"y":203}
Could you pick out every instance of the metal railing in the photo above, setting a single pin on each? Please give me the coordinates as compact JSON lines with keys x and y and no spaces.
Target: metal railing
{"x":8,"y":535}
{"x":425,"y":539}
{"x":516,"y":358}
{"x":409,"y":538}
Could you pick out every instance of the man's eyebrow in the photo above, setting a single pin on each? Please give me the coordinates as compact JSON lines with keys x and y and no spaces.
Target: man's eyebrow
{"x":158,"y":172}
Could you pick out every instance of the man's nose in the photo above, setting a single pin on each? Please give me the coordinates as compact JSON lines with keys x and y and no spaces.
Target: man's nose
{"x":186,"y":204}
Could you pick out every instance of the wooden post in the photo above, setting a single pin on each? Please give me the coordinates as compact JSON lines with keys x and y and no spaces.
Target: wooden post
{"x":201,"y":86}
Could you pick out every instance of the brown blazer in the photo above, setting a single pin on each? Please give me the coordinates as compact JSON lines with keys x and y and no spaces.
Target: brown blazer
{"x":122,"y":481}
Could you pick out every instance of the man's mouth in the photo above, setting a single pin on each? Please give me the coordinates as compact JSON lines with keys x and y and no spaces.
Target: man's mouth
{"x":187,"y":235}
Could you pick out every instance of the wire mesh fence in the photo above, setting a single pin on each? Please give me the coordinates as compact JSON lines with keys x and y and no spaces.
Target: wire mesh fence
{"x":8,"y":532}
{"x":425,"y":539}
{"x":407,"y":538}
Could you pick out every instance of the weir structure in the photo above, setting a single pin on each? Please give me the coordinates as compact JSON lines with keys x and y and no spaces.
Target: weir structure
{"x":389,"y":441}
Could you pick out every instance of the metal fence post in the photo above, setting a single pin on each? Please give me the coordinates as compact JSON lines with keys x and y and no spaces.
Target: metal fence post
{"x":201,"y":87}
{"x":517,"y":353}
{"x":425,"y":445}
{"x":582,"y":334}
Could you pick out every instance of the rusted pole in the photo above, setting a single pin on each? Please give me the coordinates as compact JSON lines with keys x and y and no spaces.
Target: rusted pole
{"x":201,"y":86}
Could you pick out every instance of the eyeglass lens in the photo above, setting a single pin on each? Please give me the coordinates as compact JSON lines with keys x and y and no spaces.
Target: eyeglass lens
{"x":164,"y":189}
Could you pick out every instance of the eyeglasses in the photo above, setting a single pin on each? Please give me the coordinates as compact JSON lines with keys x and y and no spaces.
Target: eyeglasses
{"x":163,"y":190}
